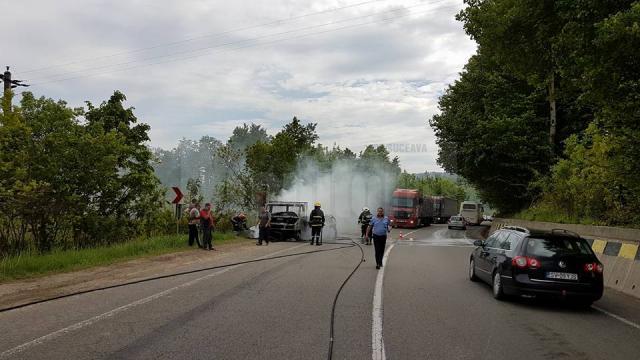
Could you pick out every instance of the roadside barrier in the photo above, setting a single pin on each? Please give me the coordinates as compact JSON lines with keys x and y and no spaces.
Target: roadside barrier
{"x":617,"y":248}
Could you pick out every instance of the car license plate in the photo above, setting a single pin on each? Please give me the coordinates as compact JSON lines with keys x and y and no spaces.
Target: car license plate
{"x":562,"y":276}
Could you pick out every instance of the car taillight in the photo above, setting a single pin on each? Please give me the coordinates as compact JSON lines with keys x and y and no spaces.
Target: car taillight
{"x":519,"y":261}
{"x":524,"y":262}
{"x":593,"y":267}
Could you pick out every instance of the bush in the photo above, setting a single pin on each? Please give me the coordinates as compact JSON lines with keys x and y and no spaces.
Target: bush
{"x":589,"y":186}
{"x":223,"y":222}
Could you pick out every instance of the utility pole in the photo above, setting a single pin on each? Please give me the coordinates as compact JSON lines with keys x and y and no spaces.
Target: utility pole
{"x":8,"y":83}
{"x":7,"y":94}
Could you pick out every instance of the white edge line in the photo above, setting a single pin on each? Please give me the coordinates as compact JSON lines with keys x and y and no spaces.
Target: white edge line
{"x":377,"y":341}
{"x":108,"y":314}
{"x":617,"y":317}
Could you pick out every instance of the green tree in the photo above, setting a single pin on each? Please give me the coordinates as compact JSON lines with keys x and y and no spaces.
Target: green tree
{"x":597,"y":180}
{"x":492,"y":132}
{"x":520,"y":35}
{"x":75,"y":183}
{"x":379,"y":156}
{"x":246,"y":135}
{"x":272,"y":164}
{"x":193,"y":190}
{"x":14,"y":181}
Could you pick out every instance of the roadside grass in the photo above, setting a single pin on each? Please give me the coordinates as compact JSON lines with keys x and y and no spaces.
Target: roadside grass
{"x":546,"y":213}
{"x":33,"y":265}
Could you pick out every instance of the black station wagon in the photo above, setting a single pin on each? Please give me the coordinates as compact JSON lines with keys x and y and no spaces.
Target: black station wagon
{"x":519,"y":262}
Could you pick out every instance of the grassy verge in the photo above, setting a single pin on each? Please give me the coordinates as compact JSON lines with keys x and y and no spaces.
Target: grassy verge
{"x":32,"y":265}
{"x":547,"y":213}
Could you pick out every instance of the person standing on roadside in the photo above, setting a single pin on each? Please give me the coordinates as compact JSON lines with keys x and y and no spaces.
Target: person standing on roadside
{"x":264,"y":225}
{"x":379,"y":228}
{"x":194,"y":219}
{"x":206,"y":221}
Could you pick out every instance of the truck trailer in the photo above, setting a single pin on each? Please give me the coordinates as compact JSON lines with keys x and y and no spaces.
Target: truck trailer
{"x":410,"y":209}
{"x":444,"y":208}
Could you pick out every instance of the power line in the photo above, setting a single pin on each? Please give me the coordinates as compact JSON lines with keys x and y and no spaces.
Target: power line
{"x":228,"y":43}
{"x":242,"y":47}
{"x":212,"y":35}
{"x":56,"y":78}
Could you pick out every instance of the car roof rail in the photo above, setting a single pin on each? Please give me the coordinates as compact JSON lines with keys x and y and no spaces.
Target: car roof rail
{"x":521,"y":229}
{"x":565,"y":232}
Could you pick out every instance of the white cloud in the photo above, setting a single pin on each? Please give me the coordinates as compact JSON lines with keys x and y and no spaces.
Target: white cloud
{"x":377,"y":83}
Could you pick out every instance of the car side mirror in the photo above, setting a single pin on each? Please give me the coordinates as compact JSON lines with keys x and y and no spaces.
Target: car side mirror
{"x":478,"y":243}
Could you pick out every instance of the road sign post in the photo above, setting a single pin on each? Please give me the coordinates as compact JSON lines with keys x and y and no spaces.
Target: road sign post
{"x":178,"y":202}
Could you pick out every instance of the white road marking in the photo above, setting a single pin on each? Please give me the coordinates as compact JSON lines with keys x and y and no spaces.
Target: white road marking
{"x":108,"y":314}
{"x":377,"y":342}
{"x":617,"y":317}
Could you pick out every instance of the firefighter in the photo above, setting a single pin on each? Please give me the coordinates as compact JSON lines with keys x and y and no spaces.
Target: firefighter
{"x":364,"y":220}
{"x":316,"y":220}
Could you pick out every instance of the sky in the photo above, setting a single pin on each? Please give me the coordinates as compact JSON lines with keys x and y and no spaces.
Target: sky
{"x":367,"y":72}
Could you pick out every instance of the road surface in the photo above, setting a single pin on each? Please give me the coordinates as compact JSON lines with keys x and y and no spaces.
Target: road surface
{"x":423,"y":307}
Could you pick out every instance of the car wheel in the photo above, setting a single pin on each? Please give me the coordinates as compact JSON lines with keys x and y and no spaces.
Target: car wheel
{"x":498,"y":291}
{"x":449,"y":227}
{"x":472,"y":271}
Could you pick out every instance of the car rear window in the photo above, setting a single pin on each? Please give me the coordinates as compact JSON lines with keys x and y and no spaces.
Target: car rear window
{"x":557,"y":246}
{"x":456,"y":218}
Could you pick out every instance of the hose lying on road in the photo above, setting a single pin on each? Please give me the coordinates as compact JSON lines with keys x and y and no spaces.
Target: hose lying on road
{"x":82,"y":292}
{"x":335,"y":299}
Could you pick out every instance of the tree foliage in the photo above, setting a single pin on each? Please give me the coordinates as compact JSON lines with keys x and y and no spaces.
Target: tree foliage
{"x":492,"y":126}
{"x":272,"y":163}
{"x":492,"y":131}
{"x":73,"y":182}
{"x":433,"y":186}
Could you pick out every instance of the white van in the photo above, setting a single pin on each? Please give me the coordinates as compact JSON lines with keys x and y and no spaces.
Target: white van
{"x":472,"y":211}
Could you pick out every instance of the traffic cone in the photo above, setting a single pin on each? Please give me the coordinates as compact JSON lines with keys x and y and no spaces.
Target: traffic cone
{"x":401,"y":235}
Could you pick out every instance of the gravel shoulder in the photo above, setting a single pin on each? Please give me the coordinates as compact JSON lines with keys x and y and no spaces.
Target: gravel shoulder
{"x":28,"y":290}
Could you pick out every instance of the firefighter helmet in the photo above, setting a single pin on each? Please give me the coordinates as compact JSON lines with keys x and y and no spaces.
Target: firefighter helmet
{"x":316,"y":204}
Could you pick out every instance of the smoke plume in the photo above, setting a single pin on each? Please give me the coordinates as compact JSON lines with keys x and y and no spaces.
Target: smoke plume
{"x":343,"y":190}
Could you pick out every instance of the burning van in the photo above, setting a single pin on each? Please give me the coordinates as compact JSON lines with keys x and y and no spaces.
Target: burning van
{"x":290,"y":220}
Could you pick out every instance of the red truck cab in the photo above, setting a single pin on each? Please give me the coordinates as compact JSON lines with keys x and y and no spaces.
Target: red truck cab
{"x":410,"y":209}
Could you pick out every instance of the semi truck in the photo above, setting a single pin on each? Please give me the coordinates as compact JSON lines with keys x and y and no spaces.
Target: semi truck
{"x":444,"y":208}
{"x":410,"y":209}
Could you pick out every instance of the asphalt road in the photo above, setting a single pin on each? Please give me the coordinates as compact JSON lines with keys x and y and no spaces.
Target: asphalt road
{"x":281,"y":309}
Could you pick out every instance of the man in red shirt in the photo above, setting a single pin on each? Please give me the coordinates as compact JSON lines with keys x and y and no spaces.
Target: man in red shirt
{"x":206,"y":221}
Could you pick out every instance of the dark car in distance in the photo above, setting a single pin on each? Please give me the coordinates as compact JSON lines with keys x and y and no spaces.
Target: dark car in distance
{"x":556,"y":263}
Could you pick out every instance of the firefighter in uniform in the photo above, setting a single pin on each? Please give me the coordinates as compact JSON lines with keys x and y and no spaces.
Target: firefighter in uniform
{"x":316,"y":220}
{"x":364,"y":220}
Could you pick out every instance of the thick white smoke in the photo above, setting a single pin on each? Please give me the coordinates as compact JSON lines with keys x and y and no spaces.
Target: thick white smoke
{"x":343,"y":190}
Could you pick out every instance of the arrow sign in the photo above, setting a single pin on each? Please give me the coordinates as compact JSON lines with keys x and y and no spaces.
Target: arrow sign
{"x":179,"y":195}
